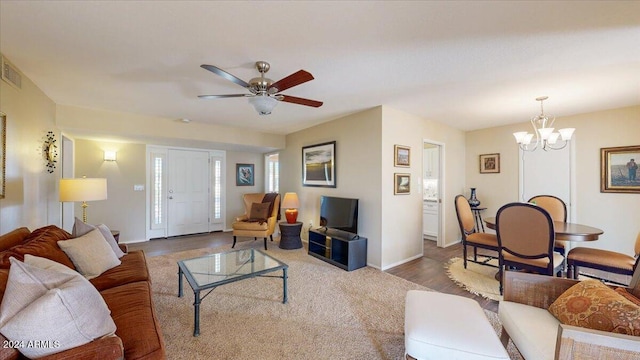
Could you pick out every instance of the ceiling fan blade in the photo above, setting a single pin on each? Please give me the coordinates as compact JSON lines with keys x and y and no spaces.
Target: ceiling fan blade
{"x":292,"y":80}
{"x":299,"y":101}
{"x":226,"y":75}
{"x":223,"y":96}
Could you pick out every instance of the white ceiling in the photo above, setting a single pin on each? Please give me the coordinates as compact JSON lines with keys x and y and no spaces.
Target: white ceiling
{"x":468,"y":64}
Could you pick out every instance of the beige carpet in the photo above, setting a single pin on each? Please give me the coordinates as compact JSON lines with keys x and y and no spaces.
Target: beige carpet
{"x":331,"y":313}
{"x":477,"y":279}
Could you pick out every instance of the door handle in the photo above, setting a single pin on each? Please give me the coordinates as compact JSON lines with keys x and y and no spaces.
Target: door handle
{"x":170,"y":197}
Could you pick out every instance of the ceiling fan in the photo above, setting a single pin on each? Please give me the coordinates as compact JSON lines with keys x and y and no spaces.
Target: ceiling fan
{"x":264,"y":92}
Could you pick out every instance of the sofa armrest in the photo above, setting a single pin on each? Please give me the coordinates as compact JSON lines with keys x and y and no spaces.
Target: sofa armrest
{"x":581,"y":343}
{"x":534,"y":290}
{"x":107,"y":348}
{"x":242,"y":218}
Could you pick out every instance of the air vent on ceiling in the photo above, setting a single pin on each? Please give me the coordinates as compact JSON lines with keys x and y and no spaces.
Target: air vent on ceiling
{"x":10,"y":74}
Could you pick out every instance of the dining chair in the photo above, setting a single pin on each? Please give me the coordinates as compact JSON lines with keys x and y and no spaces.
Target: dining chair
{"x":558,"y":211}
{"x":603,"y":260}
{"x":526,"y":237}
{"x":470,"y":234}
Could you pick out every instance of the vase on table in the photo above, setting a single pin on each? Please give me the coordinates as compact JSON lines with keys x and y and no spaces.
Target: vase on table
{"x":473,"y":200}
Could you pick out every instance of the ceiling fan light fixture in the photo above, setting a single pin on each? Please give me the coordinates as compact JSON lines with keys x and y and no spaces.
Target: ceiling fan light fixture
{"x":263,"y":104}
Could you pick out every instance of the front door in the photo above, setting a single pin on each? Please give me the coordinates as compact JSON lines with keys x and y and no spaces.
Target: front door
{"x":187,"y":192}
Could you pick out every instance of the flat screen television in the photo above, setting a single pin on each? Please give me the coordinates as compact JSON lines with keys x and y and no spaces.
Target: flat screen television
{"x":339,"y":213}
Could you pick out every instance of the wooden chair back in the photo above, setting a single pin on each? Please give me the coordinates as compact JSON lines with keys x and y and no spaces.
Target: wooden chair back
{"x":465,"y":216}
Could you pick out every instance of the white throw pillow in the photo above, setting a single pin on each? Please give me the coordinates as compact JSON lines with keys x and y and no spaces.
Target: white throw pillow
{"x":80,"y":228}
{"x":51,"y":310}
{"x":90,"y":253}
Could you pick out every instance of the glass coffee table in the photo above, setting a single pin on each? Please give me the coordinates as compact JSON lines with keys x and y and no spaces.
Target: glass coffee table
{"x":209,"y":272}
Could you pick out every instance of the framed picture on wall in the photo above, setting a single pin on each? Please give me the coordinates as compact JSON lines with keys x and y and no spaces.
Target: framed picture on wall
{"x":319,"y":165}
{"x":402,"y":156}
{"x":619,"y":169}
{"x":244,"y":175}
{"x":489,"y":163}
{"x":401,"y":184}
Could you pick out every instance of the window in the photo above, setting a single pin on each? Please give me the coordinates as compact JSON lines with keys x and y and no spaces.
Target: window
{"x":272,"y":176}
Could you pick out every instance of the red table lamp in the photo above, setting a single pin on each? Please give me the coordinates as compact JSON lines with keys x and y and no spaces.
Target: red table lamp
{"x":291,"y":204}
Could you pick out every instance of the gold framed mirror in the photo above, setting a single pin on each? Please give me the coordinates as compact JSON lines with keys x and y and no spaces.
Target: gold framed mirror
{"x":3,"y":148}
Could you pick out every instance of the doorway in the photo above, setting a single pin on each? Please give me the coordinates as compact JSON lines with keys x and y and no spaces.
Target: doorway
{"x":186,"y":191}
{"x":432,"y":190}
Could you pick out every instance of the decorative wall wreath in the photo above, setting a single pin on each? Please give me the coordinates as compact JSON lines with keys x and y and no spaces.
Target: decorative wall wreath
{"x":50,"y":151}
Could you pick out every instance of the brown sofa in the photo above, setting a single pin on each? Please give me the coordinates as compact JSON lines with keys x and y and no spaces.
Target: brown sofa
{"x":126,"y":289}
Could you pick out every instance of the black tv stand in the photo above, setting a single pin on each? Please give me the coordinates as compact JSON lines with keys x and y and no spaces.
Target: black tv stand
{"x":343,"y":249}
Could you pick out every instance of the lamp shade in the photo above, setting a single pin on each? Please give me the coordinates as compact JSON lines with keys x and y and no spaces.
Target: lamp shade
{"x":263,"y":104}
{"x":290,"y":201}
{"x":84,"y":189}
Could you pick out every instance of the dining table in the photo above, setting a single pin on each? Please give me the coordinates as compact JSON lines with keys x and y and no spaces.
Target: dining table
{"x":564,"y":230}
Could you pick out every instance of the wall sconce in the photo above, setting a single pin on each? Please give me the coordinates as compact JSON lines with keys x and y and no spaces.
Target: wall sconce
{"x":109,"y":156}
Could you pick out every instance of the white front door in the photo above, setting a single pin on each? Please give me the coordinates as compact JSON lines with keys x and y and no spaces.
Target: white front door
{"x":187,"y":192}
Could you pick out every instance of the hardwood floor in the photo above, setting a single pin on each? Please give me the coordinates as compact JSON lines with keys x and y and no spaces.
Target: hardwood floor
{"x":428,"y":270}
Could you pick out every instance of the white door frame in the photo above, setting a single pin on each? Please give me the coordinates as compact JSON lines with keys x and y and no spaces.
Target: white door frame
{"x":161,"y":230}
{"x":442,"y":206}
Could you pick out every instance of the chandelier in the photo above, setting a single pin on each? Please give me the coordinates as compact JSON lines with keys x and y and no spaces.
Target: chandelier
{"x":546,"y":138}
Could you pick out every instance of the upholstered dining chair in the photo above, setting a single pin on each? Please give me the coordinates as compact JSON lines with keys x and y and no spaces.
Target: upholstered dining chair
{"x":604,"y":260}
{"x":526,"y":237}
{"x":470,"y":235}
{"x":558,"y":211}
{"x":259,"y":218}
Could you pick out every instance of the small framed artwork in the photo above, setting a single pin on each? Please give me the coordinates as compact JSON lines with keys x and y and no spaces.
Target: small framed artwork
{"x":402,"y":156}
{"x":489,"y":163}
{"x":401,"y":184}
{"x":244,"y":175}
{"x":619,"y":169}
{"x":319,"y":165}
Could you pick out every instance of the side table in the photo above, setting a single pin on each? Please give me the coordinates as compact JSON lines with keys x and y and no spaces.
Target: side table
{"x":116,"y":235}
{"x":290,"y":235}
{"x":478,"y":217}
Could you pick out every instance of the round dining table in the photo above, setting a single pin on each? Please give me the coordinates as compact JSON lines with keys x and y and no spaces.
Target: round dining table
{"x":564,"y":231}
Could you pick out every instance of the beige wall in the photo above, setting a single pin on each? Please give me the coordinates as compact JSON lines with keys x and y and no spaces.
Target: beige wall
{"x":364,"y":150}
{"x":358,"y":148}
{"x":235,"y":206}
{"x":161,"y":131}
{"x":125,"y":209}
{"x":31,"y":192}
{"x":616,"y":214}
{"x":402,"y":214}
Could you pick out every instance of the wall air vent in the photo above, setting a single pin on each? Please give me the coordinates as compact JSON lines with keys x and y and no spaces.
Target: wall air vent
{"x":10,"y":74}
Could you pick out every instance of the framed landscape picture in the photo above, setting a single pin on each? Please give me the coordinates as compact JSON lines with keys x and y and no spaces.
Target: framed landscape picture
{"x":619,"y":169}
{"x":401,"y":184}
{"x":489,"y":163}
{"x":244,"y":175}
{"x":402,"y":156}
{"x":319,"y":165}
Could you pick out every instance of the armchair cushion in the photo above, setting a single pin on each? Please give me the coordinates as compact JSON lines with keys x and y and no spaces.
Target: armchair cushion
{"x":591,"y":304}
{"x":259,"y":211}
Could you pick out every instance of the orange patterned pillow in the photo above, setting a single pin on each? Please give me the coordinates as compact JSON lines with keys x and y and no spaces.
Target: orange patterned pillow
{"x":591,"y":304}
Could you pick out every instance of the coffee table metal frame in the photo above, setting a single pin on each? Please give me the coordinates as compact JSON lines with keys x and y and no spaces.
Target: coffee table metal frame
{"x":240,"y":273}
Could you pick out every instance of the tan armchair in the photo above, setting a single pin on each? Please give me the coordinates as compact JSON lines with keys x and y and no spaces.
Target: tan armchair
{"x":258,"y":225}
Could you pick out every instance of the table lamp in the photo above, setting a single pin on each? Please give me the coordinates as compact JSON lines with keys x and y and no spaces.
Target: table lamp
{"x":84,"y":189}
{"x":291,"y":204}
